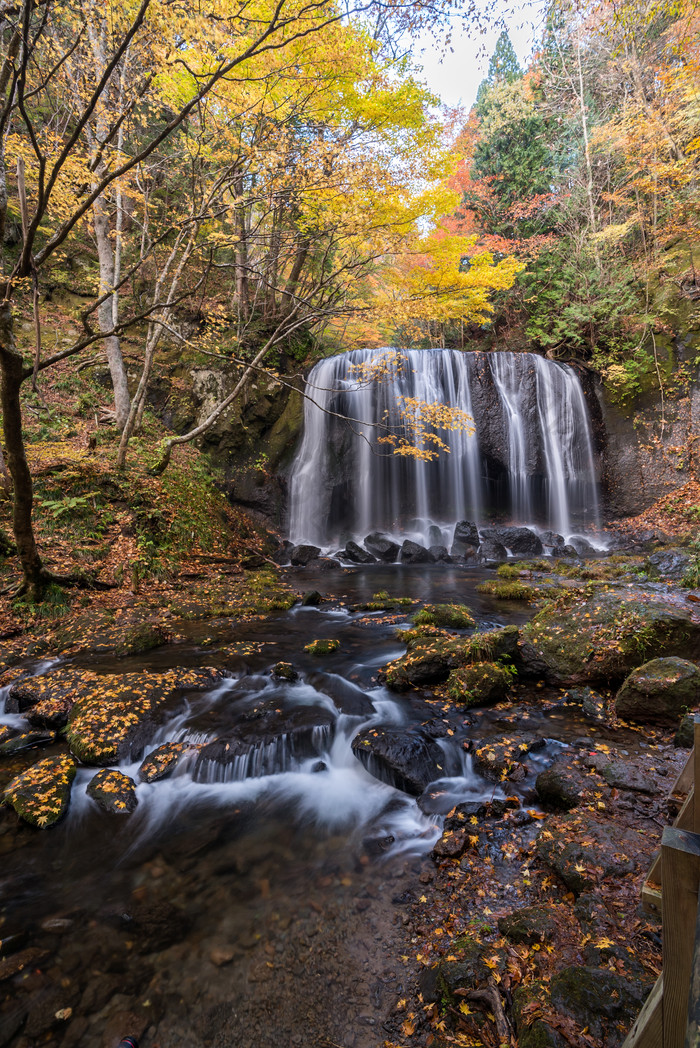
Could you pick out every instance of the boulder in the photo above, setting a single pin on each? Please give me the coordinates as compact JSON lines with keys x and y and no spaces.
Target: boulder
{"x":41,"y":794}
{"x":685,"y":736}
{"x":603,"y":637}
{"x":11,"y":744}
{"x":357,"y":555}
{"x":282,"y":555}
{"x":466,"y":536}
{"x":347,"y":697}
{"x":583,"y":547}
{"x":479,"y":684}
{"x":114,"y":792}
{"x":564,"y":784}
{"x":382,"y":547}
{"x":564,"y":552}
{"x":522,"y":542}
{"x":407,"y":760}
{"x":414,"y":553}
{"x":673,"y":563}
{"x":585,"y":849}
{"x":492,"y":552}
{"x":302,"y":554}
{"x":431,"y":656}
{"x":502,"y":757}
{"x":311,"y":599}
{"x":659,"y":692}
{"x":552,"y":538}
{"x":440,"y":554}
{"x":325,"y":564}
{"x":597,"y":999}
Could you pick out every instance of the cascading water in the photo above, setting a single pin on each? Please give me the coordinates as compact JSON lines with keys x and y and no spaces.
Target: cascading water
{"x":529,"y":459}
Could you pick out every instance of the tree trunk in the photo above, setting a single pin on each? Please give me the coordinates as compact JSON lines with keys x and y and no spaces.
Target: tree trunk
{"x":12,"y":366}
{"x":105,"y":312}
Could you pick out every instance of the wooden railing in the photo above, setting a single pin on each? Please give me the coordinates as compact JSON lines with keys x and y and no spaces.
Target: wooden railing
{"x":670,"y":1017}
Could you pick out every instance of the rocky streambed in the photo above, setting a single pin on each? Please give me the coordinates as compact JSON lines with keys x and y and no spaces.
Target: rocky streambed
{"x":284,"y":822}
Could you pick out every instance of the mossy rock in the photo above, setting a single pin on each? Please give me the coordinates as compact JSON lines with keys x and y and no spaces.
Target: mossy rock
{"x":161,"y":763}
{"x":534,"y":1032}
{"x":507,"y":589}
{"x":28,"y":740}
{"x":383,"y":602}
{"x":113,"y":792}
{"x":479,"y":684}
{"x":659,"y":692}
{"x":430,"y":659}
{"x":502,"y":758}
{"x":285,"y":671}
{"x":467,"y":972}
{"x":583,"y":850}
{"x":322,"y":647}
{"x":41,"y":794}
{"x":531,"y":924}
{"x":565,"y":785}
{"x":685,"y":736}
{"x":597,"y":998}
{"x":449,"y":616}
{"x":137,"y":640}
{"x":604,"y":636}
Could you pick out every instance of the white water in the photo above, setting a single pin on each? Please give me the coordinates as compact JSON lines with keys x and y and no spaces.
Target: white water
{"x":529,"y":460}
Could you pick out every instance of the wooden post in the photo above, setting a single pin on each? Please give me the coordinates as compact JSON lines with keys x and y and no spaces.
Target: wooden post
{"x":692,"y":1037}
{"x":696,"y":776}
{"x":680,"y":872}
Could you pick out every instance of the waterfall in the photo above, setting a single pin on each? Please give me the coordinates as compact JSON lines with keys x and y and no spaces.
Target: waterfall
{"x":528,"y":460}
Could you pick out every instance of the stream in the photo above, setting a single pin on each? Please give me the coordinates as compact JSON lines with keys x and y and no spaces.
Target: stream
{"x":257,"y":901}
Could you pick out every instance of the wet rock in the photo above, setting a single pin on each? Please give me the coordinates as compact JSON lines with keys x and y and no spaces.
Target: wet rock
{"x":533,"y":1031}
{"x":318,"y":766}
{"x":347,"y":697}
{"x":625,"y":775}
{"x":593,"y":705}
{"x":466,"y":812}
{"x":445,"y":979}
{"x":551,"y":538}
{"x":479,"y":684}
{"x":502,"y":758}
{"x":19,"y":962}
{"x":583,"y":547}
{"x":451,"y":844}
{"x":161,"y":763}
{"x":154,"y":925}
{"x":27,"y":740}
{"x":383,"y":548}
{"x":449,"y":616}
{"x":603,"y":637}
{"x":222,"y":955}
{"x":116,"y":715}
{"x":325,"y":564}
{"x":522,"y":542}
{"x":564,"y":785}
{"x":266,"y":741}
{"x":430,"y":658}
{"x":439,"y":554}
{"x":285,"y":671}
{"x":414,"y":553}
{"x":466,"y":536}
{"x":597,"y":998}
{"x":583,"y":850}
{"x":324,"y":646}
{"x":302,"y":554}
{"x":672,"y":563}
{"x":113,"y":791}
{"x":311,"y":599}
{"x":58,"y":687}
{"x":685,"y":736}
{"x":564,"y":552}
{"x":357,"y":555}
{"x":659,"y":692}
{"x":282,"y":555}
{"x":137,"y":640}
{"x":491,"y":552}
{"x":529,"y":925}
{"x":404,"y":759}
{"x":41,"y":794}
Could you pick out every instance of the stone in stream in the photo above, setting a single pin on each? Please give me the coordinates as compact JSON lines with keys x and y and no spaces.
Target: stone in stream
{"x":583,"y":547}
{"x":659,"y":692}
{"x":551,"y":538}
{"x":113,"y":792}
{"x":347,"y":697}
{"x":522,"y":542}
{"x":29,"y":740}
{"x":414,"y":553}
{"x":466,"y":537}
{"x":479,"y":684}
{"x":382,"y":547}
{"x":439,"y":554}
{"x":325,"y":564}
{"x":311,"y":599}
{"x":282,"y":555}
{"x":302,"y":554}
{"x":564,"y":784}
{"x":502,"y":758}
{"x":406,"y":760}
{"x":672,"y":563}
{"x":266,"y":741}
{"x":492,"y":552}
{"x":564,"y":552}
{"x":357,"y":555}
{"x":41,"y":794}
{"x":161,"y":763}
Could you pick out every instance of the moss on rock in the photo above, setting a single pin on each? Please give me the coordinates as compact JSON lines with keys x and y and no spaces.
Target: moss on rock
{"x":449,"y":616}
{"x":659,"y":692}
{"x":322,"y":647}
{"x":479,"y":683}
{"x":113,"y":792}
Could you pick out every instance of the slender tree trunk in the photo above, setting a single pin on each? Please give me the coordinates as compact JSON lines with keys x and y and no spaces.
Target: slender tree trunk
{"x":13,"y":368}
{"x":105,"y":312}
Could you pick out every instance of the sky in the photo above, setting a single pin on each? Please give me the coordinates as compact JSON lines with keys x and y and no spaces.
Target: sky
{"x":455,"y":75}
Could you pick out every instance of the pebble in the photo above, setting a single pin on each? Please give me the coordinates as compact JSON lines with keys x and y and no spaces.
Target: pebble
{"x":221,"y":955}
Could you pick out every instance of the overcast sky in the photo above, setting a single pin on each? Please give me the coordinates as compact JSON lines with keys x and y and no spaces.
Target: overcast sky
{"x":456,"y":74}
